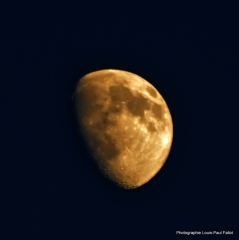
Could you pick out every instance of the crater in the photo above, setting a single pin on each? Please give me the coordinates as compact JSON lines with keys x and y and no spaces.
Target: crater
{"x":151,"y":91}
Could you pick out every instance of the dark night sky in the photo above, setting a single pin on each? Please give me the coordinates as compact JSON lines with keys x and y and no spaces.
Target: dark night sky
{"x":187,"y":49}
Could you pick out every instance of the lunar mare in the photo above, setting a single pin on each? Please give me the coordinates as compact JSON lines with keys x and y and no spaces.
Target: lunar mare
{"x":126,"y":124}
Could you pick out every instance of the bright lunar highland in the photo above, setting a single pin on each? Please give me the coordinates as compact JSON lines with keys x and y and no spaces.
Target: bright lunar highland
{"x":126,"y":124}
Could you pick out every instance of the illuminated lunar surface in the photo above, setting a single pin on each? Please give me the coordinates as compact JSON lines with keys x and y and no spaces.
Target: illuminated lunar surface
{"x":126,"y":124}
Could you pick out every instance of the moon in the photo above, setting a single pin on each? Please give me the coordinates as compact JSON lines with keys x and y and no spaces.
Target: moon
{"x":126,"y":124}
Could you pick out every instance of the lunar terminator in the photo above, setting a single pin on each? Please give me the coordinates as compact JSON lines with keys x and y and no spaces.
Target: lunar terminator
{"x":126,"y":124}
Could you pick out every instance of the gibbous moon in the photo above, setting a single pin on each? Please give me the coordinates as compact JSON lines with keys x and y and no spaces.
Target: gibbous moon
{"x":126,"y":124}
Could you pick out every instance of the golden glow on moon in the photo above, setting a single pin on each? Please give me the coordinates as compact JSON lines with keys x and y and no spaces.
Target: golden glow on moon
{"x":126,"y":124}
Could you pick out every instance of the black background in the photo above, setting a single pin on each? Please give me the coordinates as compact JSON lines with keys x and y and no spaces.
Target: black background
{"x":187,"y":49}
